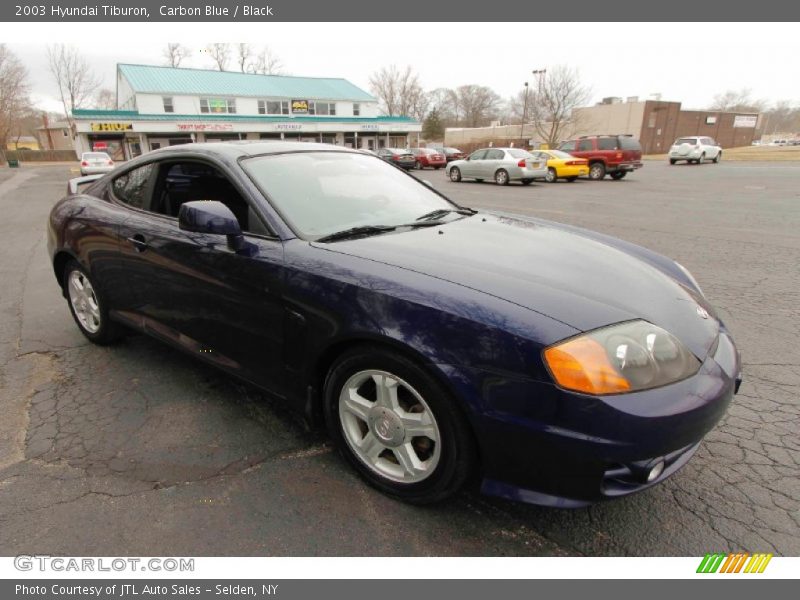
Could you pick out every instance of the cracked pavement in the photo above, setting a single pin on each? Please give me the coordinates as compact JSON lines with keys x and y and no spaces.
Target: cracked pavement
{"x":136,"y":449}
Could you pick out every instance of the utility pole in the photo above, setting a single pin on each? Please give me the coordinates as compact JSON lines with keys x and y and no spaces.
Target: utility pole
{"x":524,"y":115}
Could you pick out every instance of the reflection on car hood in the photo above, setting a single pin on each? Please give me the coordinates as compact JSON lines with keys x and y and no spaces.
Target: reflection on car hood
{"x":569,"y":277}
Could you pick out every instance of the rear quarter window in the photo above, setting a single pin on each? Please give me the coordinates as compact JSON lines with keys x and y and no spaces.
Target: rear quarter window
{"x":131,"y":187}
{"x":629,"y":143}
{"x":607,"y":143}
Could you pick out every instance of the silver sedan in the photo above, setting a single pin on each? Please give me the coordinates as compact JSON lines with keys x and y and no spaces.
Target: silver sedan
{"x":95,"y":163}
{"x":499,"y":164}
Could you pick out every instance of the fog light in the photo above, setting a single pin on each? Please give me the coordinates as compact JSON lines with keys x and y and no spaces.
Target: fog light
{"x":655,"y":471}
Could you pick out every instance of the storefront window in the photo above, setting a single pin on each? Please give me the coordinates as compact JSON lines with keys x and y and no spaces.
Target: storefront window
{"x":322,"y":108}
{"x":273,"y":107}
{"x":356,"y":109}
{"x":168,"y":107}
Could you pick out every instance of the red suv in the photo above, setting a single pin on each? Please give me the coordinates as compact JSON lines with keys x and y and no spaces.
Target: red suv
{"x":614,"y":155}
{"x":428,"y":157}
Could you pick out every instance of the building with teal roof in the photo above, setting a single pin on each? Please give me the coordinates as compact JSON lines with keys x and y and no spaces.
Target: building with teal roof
{"x":162,"y":106}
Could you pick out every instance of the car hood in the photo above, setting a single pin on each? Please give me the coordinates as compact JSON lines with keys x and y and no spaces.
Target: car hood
{"x":579,"y":281}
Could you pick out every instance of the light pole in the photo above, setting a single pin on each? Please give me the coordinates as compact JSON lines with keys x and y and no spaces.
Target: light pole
{"x":524,"y":115}
{"x":539,"y":73}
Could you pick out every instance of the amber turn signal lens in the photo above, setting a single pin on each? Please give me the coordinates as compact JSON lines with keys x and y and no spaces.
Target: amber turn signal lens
{"x":582,"y":365}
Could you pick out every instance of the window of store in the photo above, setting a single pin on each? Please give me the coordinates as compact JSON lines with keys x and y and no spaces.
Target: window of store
{"x":273,"y":107}
{"x":168,"y":106}
{"x":322,"y":108}
{"x":218,"y":105}
{"x":356,"y":109}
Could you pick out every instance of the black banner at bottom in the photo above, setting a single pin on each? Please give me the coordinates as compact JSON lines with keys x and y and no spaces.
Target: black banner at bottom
{"x":383,"y":589}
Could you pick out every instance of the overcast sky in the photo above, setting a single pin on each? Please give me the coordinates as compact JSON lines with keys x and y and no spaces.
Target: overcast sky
{"x":627,"y":59}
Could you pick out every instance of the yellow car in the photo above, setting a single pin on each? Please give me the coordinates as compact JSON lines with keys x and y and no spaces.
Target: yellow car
{"x":561,"y":165}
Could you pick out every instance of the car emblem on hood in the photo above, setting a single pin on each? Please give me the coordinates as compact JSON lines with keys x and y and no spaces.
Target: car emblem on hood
{"x":702,"y":312}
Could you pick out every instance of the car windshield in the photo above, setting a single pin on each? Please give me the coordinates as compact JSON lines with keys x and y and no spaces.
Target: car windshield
{"x":319,"y":193}
{"x":559,"y":154}
{"x":517,"y":153}
{"x":685,"y":141}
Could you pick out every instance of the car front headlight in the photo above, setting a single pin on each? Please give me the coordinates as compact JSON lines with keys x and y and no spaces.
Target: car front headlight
{"x":628,"y":357}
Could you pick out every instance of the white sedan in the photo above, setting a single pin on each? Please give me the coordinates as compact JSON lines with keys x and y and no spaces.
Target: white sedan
{"x":695,"y":150}
{"x":95,"y":163}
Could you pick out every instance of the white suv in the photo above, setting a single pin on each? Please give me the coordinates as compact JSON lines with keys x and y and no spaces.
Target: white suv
{"x":695,"y":150}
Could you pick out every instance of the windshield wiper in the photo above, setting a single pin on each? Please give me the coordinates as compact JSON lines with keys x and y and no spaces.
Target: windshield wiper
{"x":440,"y":212}
{"x":365,"y":230}
{"x":354,"y":232}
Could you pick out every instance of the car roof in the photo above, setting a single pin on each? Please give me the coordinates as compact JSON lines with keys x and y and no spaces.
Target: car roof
{"x":237,"y":149}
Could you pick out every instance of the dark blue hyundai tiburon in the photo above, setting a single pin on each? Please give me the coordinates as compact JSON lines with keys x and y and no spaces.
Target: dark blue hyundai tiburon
{"x":434,"y":341}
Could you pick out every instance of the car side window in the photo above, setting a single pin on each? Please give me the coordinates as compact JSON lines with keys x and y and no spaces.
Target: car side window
{"x":606,"y":143}
{"x":478,"y":155}
{"x":131,"y":187}
{"x":585,"y":145}
{"x":181,"y":182}
{"x":568,"y":146}
{"x":495,"y":155}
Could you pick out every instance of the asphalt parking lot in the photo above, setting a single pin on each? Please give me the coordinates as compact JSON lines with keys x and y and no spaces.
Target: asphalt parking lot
{"x":139,"y":450}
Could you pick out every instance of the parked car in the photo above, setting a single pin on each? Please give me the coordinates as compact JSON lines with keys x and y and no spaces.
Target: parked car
{"x":428,"y":157}
{"x":93,"y":163}
{"x":561,"y":366}
{"x":401,"y":157}
{"x":561,"y":165}
{"x":499,"y":164}
{"x":777,"y":143}
{"x":614,"y":155}
{"x":695,"y":150}
{"x":451,"y":154}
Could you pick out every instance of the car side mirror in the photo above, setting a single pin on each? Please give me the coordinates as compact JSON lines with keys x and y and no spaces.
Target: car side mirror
{"x":213,"y":217}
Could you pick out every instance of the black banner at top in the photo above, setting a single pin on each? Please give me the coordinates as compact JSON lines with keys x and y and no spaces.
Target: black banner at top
{"x":397,"y":11}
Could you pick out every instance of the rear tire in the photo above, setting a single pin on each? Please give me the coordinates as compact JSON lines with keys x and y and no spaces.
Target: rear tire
{"x":597,"y":171}
{"x":88,"y":306}
{"x":718,"y":157}
{"x":702,"y":159}
{"x":418,"y":166}
{"x":455,"y":175}
{"x":501,"y":177}
{"x":672,"y":161}
{"x":372,"y":398}
{"x":618,"y":175}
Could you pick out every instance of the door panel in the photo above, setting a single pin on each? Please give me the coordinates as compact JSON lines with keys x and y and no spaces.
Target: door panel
{"x":195,"y":291}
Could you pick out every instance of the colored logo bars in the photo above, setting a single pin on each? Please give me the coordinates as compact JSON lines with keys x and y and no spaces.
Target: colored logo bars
{"x":734,"y":563}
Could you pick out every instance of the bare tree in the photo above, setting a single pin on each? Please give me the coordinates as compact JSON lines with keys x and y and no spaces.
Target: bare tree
{"x":399,"y":91}
{"x":478,"y":104}
{"x":737,"y":101}
{"x":106,"y":99}
{"x":267,"y":63}
{"x":175,"y":54}
{"x":552,"y":99}
{"x":244,"y":54}
{"x":74,"y":77}
{"x":445,"y":102}
{"x":220,"y":54}
{"x":14,"y":90}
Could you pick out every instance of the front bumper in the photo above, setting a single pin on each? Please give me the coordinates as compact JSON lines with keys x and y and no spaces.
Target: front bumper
{"x":543,"y":445}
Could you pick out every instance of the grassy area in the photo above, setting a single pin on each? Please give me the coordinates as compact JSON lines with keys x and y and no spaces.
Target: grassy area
{"x":757,"y":153}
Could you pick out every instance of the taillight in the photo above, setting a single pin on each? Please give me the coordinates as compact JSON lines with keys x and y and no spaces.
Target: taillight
{"x":619,"y":154}
{"x":84,"y":163}
{"x":111,"y":163}
{"x":521,"y":163}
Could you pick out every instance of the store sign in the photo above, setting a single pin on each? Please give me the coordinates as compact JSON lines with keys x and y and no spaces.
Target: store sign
{"x":288,"y":127}
{"x":711,"y":120}
{"x":112,"y":127}
{"x":204,"y":127}
{"x":299,"y":107}
{"x":99,"y":146}
{"x":369,"y":127}
{"x":745,"y":120}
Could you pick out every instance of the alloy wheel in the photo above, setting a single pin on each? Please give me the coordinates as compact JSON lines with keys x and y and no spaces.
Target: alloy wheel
{"x":84,"y":301}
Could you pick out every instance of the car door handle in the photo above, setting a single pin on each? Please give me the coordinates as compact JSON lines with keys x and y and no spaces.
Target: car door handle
{"x":138,"y":242}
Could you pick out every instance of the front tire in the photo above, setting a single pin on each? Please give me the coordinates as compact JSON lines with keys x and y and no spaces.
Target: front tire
{"x":397,"y":426}
{"x":88,"y":307}
{"x":455,"y":175}
{"x":551,"y":176}
{"x":418,"y":166}
{"x":672,"y":161}
{"x":718,"y":157}
{"x":501,"y":177}
{"x":597,"y":171}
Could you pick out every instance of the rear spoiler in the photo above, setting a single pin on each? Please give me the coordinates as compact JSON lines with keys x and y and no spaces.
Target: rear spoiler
{"x":73,"y":184}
